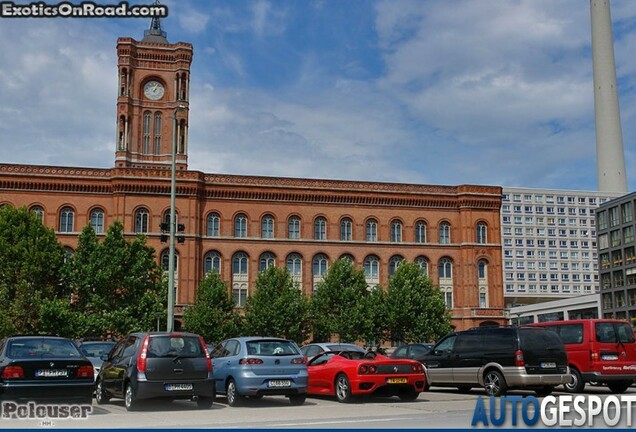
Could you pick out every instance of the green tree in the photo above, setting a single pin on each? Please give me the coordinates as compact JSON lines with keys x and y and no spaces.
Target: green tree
{"x":117,"y":285}
{"x":31,"y":261}
{"x":277,"y":307}
{"x":415,"y":309}
{"x":212,"y":315}
{"x":338,"y":305}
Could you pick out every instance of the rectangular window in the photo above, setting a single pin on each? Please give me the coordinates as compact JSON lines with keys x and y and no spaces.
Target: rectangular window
{"x":627,"y":211}
{"x":602,"y":219}
{"x":613,"y":216}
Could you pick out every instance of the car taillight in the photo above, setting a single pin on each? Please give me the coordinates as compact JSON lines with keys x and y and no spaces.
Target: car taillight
{"x":11,"y":372}
{"x":367,"y":369}
{"x":519,"y":361}
{"x":85,"y":372}
{"x":417,"y":368}
{"x":251,"y":361}
{"x":141,"y":358}
{"x":594,"y":355}
{"x":298,"y":360}
{"x":208,"y":360}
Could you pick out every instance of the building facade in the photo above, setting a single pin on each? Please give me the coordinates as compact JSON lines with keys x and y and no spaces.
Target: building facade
{"x":617,"y":258}
{"x":238,"y":225}
{"x":549,"y":244}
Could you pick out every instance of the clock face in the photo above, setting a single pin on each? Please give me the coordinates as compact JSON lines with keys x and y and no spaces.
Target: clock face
{"x":153,"y":90}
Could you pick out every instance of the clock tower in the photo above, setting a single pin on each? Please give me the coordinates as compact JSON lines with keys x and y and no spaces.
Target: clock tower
{"x":152,"y":100}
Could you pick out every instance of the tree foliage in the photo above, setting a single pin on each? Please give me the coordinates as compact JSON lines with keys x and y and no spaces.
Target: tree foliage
{"x":277,"y":307}
{"x":212,"y":315}
{"x":339,"y":305}
{"x":415,"y":308}
{"x":117,"y":285}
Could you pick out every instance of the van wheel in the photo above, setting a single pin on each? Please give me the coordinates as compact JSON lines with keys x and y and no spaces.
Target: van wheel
{"x":577,"y":384}
{"x":619,"y":386}
{"x":495,"y":384}
{"x":101,"y":397}
{"x":544,"y":391}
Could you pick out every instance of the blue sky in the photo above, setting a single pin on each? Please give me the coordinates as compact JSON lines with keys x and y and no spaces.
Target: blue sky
{"x":492,"y":92}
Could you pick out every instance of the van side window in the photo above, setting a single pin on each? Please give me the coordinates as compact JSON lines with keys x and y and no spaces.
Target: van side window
{"x":571,"y":333}
{"x":625,"y":333}
{"x":500,"y":340}
{"x":605,"y":332}
{"x":470,"y":342}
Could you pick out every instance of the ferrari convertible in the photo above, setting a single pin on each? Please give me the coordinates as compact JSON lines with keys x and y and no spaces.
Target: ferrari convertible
{"x":345,"y":374}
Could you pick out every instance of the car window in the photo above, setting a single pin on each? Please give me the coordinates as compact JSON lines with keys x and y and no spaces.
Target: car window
{"x":232,"y":347}
{"x":174,"y":345}
{"x":500,"y":339}
{"x":321,"y":359}
{"x":624,"y":332}
{"x":570,"y":333}
{"x":605,"y":332}
{"x":271,"y":348}
{"x":129,"y":347}
{"x":219,"y":351}
{"x":345,"y":347}
{"x":42,"y":348}
{"x":401,"y":351}
{"x":418,"y":350}
{"x":313,"y":350}
{"x":535,"y":338}
{"x":470,"y":342}
{"x":96,"y":349}
{"x":117,"y":351}
{"x":446,"y":345}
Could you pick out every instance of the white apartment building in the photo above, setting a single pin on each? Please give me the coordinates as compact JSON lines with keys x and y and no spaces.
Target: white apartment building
{"x":548,"y":242}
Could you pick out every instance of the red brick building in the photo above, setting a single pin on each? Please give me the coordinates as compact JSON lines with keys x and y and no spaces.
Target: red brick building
{"x":239,"y":224}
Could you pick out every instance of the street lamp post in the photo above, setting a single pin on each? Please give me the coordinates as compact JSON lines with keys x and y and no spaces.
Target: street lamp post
{"x":173,"y":196}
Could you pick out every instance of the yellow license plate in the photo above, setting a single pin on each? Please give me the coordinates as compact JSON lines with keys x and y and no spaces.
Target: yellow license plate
{"x":396,"y":381}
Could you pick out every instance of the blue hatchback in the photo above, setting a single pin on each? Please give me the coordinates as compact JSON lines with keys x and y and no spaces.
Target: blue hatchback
{"x":259,"y":366}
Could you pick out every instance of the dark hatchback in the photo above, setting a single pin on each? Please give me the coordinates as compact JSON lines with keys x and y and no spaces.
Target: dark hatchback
{"x":157,"y":365}
{"x":44,"y":367}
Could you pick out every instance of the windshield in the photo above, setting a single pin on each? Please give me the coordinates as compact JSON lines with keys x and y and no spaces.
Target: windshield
{"x":42,"y":347}
{"x":173,"y":346}
{"x":271,"y":347}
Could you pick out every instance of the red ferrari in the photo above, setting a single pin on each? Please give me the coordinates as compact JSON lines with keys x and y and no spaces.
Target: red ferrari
{"x":349,"y":373}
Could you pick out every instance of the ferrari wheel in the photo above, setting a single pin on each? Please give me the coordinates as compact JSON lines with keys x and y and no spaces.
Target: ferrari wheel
{"x":343,"y":388}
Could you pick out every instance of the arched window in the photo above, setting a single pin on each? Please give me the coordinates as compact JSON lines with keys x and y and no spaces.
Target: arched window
{"x":68,"y":253}
{"x":420,"y":232}
{"x":212,"y":261}
{"x":97,"y":220}
{"x":157,"y":135}
{"x":372,"y":230}
{"x":267,"y":227}
{"x":320,"y":228}
{"x":444,"y":233}
{"x":67,"y":216}
{"x":347,"y":257}
{"x":146,"y":138}
{"x":423,"y":263}
{"x":142,"y":218}
{"x":346,"y":229}
{"x":394,"y":263}
{"x":320,"y":266}
{"x":482,"y":231}
{"x":267,"y":259}
{"x":240,"y":225}
{"x":213,"y":225}
{"x":293,"y":228}
{"x":38,"y":212}
{"x":372,"y":271}
{"x":295,"y":265}
{"x":166,"y":217}
{"x":240,"y":278}
{"x":445,"y":268}
{"x":481,"y":269}
{"x":396,"y":231}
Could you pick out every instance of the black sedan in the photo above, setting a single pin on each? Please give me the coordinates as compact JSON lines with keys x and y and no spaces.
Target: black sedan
{"x":44,"y":367}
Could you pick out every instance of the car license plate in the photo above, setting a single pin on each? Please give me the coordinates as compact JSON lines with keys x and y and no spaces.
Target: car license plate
{"x":396,"y":381}
{"x":609,"y":357}
{"x":51,"y":373}
{"x":178,"y":387}
{"x":548,"y":365}
{"x":279,"y":383}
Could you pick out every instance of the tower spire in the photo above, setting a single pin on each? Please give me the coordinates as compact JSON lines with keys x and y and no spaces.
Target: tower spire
{"x":155,"y":34}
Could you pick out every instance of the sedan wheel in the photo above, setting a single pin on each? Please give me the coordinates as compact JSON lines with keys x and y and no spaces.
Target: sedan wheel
{"x":343,"y":388}
{"x":233,"y":396}
{"x":100,"y":394}
{"x":495,"y":384}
